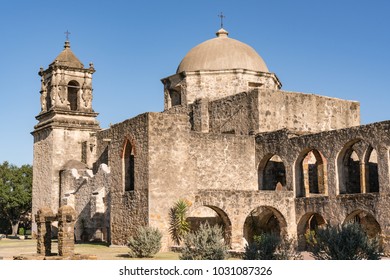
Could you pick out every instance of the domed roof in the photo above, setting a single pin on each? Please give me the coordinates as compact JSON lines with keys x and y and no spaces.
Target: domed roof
{"x":222,"y":53}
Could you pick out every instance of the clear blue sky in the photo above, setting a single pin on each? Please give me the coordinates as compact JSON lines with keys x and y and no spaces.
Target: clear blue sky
{"x":334,"y":48}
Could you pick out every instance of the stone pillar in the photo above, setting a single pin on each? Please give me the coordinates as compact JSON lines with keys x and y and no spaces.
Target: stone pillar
{"x":363,"y":177}
{"x":66,"y":221}
{"x":305,"y":173}
{"x":44,"y":218}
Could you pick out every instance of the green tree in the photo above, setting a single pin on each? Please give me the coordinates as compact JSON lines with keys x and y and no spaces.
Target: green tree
{"x":15,"y":193}
{"x":346,"y":242}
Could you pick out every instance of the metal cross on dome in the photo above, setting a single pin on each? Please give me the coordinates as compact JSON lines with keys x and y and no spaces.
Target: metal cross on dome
{"x":222,"y":17}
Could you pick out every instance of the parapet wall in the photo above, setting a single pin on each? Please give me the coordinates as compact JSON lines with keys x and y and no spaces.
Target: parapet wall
{"x":305,"y":112}
{"x":269,"y":110}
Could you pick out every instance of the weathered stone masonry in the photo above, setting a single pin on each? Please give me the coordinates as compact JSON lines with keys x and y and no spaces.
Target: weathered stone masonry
{"x":244,"y":153}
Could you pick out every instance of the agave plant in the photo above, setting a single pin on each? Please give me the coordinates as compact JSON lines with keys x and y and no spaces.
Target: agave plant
{"x":179,"y":226}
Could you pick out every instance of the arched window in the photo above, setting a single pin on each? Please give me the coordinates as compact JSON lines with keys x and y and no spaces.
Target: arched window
{"x":73,"y":90}
{"x":312,"y":174}
{"x":272,"y":174}
{"x":358,"y":168}
{"x":128,"y":166}
{"x":351,"y":172}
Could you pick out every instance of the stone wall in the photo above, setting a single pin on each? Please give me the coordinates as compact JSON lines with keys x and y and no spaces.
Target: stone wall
{"x":270,"y":110}
{"x":305,"y":112}
{"x":103,"y":140}
{"x":238,"y":114}
{"x":53,"y":149}
{"x":42,"y":191}
{"x":169,"y":163}
{"x":128,"y":209}
{"x":182,"y":162}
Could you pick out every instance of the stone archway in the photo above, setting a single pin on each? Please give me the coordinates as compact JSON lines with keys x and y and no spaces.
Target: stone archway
{"x":212,"y":215}
{"x":308,"y":224}
{"x":368,"y":222}
{"x":66,"y":217}
{"x":264,"y":219}
{"x":311,"y":174}
{"x":371,"y":171}
{"x":348,"y":164}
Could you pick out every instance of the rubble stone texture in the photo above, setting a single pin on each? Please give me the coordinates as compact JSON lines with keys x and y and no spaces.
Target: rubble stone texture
{"x":66,"y":217}
{"x":244,"y":154}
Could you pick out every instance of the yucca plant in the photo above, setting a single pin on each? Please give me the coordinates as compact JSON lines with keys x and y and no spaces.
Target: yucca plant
{"x":179,"y":226}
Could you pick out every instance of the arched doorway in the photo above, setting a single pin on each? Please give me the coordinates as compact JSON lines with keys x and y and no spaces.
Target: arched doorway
{"x":308,"y":225}
{"x":264,"y":219}
{"x":213,"y":216}
{"x":366,"y":220}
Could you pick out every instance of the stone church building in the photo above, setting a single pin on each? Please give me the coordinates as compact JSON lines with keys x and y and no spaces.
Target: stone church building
{"x":244,"y":153}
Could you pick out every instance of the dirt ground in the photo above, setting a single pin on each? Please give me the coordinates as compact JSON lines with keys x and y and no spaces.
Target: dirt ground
{"x":10,"y":248}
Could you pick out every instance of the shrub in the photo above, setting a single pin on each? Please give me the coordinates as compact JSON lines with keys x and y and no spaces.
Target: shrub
{"x":269,"y":246}
{"x":21,"y":231}
{"x":205,"y":244}
{"x":287,"y":250}
{"x":347,"y":242}
{"x":146,"y":242}
{"x":178,"y":224}
{"x":262,"y":248}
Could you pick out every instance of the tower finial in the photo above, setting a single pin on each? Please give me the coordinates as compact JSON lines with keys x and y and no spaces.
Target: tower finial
{"x":222,"y":17}
{"x":67,"y":43}
{"x":67,"y":33}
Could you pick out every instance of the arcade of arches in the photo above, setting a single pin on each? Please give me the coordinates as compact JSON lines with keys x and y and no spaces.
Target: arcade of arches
{"x":266,"y":219}
{"x":296,"y":201}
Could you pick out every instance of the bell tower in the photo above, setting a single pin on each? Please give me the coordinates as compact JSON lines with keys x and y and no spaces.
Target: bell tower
{"x":66,"y":127}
